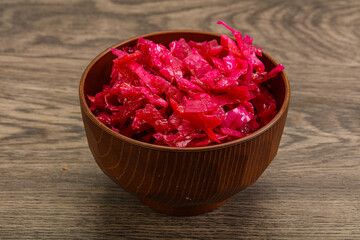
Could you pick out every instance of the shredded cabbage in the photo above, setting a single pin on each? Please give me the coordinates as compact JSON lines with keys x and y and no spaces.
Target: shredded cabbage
{"x":188,"y":95}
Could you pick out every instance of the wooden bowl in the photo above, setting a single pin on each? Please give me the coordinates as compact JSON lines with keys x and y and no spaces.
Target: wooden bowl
{"x":180,"y":181}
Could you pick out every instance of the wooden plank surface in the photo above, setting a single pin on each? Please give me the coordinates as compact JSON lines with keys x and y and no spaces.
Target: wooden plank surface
{"x":310,"y":191}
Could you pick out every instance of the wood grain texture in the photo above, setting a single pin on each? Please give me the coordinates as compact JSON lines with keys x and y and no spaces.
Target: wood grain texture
{"x":310,"y":191}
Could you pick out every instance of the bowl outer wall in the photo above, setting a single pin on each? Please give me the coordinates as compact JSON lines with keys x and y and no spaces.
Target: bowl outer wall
{"x":181,"y":176}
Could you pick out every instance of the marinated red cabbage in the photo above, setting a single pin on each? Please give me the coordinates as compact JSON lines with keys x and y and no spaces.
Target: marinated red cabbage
{"x":191,"y":94}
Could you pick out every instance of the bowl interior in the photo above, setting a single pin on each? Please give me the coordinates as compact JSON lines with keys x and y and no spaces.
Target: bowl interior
{"x":99,"y":70}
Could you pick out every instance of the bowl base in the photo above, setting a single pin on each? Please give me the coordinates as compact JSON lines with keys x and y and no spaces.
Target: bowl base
{"x":182,"y":211}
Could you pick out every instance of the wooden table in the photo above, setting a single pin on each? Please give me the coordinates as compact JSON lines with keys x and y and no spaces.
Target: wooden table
{"x":50,"y":185}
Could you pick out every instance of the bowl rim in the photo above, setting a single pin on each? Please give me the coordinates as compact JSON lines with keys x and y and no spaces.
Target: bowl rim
{"x":253,"y":135}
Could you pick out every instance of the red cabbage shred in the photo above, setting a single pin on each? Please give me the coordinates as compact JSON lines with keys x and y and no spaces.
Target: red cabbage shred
{"x":193,"y":94}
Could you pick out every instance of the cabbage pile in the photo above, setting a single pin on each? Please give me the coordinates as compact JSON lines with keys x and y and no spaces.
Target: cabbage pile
{"x":190,"y":94}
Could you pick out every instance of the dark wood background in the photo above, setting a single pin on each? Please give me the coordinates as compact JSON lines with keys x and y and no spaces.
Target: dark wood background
{"x":310,"y":191}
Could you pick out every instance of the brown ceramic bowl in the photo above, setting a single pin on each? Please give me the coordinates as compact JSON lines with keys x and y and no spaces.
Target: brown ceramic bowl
{"x":180,"y":181}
